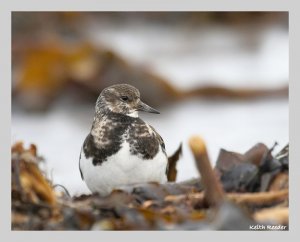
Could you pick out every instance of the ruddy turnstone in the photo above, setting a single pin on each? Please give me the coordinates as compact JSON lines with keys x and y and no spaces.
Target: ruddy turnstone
{"x":121,"y":148}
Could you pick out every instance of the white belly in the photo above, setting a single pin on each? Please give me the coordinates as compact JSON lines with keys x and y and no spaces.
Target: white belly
{"x":122,"y":169}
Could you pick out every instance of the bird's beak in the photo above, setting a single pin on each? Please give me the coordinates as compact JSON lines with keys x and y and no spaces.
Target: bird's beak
{"x":144,"y":107}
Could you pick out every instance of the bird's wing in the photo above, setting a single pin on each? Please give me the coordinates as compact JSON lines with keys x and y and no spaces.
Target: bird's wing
{"x":163,"y":147}
{"x":161,"y":141}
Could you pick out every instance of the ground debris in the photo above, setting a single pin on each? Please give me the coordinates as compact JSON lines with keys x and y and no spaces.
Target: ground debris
{"x":28,"y":182}
{"x":198,"y":204}
{"x":252,"y":171}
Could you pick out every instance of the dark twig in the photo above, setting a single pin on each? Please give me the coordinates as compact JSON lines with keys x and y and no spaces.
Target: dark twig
{"x":63,"y":187}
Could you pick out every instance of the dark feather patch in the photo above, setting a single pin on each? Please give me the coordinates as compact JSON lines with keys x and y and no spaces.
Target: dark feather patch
{"x":142,"y":141}
{"x":111,"y":137}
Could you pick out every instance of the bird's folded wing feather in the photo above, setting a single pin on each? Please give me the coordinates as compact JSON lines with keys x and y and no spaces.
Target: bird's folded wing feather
{"x":161,"y":141}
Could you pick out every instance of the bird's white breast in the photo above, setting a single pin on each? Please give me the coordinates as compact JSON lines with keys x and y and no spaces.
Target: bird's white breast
{"x":122,"y":169}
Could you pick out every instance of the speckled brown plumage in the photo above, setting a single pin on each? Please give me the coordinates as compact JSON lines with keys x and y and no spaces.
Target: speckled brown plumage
{"x":107,"y":137}
{"x":116,"y":123}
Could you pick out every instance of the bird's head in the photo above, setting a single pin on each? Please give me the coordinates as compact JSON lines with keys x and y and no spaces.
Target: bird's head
{"x":123,"y":99}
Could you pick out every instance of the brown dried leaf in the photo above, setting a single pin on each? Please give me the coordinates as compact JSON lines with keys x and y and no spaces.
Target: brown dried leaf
{"x":256,"y":154}
{"x":227,"y":159}
{"x":172,"y":161}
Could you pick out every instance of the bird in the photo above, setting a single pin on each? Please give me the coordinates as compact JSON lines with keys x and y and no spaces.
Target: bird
{"x":121,"y":149}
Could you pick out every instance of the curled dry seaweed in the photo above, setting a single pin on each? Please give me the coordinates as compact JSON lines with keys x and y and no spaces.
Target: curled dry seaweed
{"x":27,"y":181}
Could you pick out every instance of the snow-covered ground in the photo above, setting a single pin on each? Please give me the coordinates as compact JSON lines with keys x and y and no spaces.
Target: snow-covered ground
{"x":230,"y":57}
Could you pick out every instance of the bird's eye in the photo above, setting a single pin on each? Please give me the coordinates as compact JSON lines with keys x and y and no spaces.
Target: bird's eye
{"x":124,"y":98}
